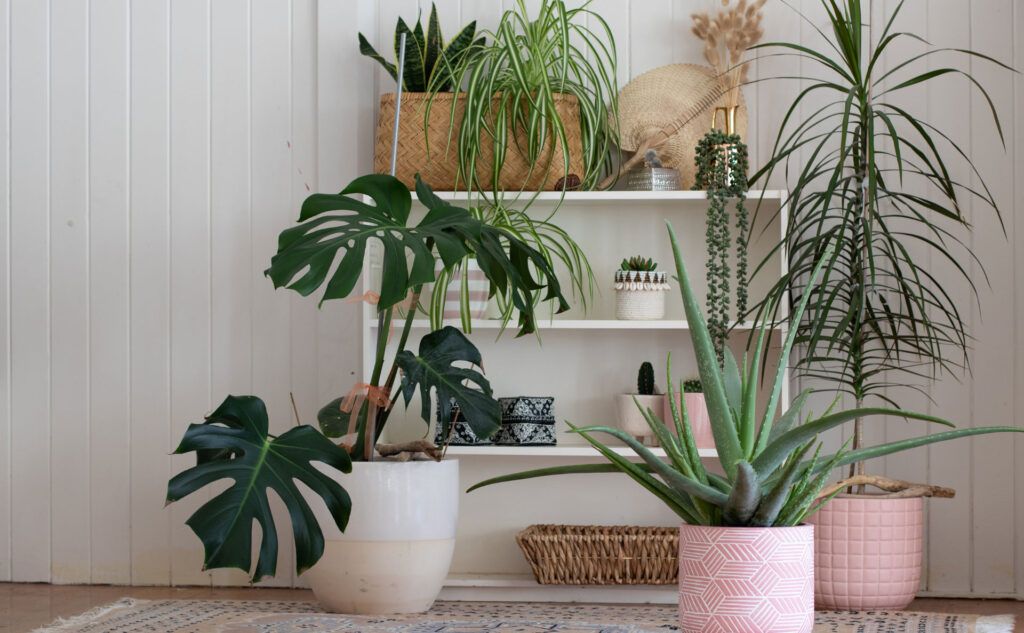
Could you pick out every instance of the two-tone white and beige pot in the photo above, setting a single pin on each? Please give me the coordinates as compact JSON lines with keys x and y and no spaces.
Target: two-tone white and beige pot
{"x":868,"y":552}
{"x":395,"y":553}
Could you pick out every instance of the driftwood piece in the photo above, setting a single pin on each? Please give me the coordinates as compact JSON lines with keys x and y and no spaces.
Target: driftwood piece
{"x":406,"y":451}
{"x":896,"y":488}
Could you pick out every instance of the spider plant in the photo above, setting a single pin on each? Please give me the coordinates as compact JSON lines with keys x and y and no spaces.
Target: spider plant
{"x":875,"y":179}
{"x":769,"y":480}
{"x":511,"y":83}
{"x":555,"y":245}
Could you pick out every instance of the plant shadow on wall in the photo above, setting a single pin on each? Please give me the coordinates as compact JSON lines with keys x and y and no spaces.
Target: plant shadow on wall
{"x":326,"y":251}
{"x":774,"y":474}
{"x":874,"y":184}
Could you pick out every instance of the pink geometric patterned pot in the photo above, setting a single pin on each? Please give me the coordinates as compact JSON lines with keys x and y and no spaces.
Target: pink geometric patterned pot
{"x":746,"y":580}
{"x":868,"y":553}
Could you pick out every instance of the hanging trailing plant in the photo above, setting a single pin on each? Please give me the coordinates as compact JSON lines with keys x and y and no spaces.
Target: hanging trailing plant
{"x":722,"y":170}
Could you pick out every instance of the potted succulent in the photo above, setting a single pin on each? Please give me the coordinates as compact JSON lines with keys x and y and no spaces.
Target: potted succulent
{"x":640,"y":290}
{"x":630,"y":417}
{"x":745,"y":553}
{"x":381,"y":539}
{"x":426,"y":76}
{"x":882,"y":321}
{"x":539,"y":108}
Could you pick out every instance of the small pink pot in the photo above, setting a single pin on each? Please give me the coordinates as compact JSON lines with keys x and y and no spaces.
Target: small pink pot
{"x":868,"y":553}
{"x":697,"y":411}
{"x":746,"y":580}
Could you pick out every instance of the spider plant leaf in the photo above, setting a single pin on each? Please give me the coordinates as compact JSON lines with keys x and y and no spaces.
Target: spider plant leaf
{"x":366,"y":49}
{"x":260,"y":462}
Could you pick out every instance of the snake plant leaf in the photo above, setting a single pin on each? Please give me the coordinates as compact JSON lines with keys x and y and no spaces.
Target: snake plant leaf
{"x":435,"y":369}
{"x":441,"y":78}
{"x":434,"y":44}
{"x":259,"y":462}
{"x":368,"y":50}
{"x":413,"y":77}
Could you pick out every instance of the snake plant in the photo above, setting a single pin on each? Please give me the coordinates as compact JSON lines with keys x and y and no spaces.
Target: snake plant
{"x":428,"y":59}
{"x":773,"y":467}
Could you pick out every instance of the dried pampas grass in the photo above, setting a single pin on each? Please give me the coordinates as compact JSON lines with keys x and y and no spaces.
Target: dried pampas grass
{"x":727,"y":35}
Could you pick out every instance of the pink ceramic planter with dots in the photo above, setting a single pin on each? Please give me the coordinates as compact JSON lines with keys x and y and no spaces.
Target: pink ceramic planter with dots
{"x":868,"y":553}
{"x":746,"y":580}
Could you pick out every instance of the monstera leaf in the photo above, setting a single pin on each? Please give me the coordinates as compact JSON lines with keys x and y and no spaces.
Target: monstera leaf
{"x":435,"y":369}
{"x":306,"y":253}
{"x":236,"y":444}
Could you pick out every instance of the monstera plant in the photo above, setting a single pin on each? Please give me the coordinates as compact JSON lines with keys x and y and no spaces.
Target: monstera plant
{"x":326,"y":250}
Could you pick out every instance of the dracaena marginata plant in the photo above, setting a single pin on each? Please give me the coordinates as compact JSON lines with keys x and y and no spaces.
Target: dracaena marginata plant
{"x":326,"y":250}
{"x":773,"y":467}
{"x":876,"y":180}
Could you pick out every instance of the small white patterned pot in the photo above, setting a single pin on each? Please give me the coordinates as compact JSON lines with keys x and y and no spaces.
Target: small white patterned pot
{"x":640,"y":295}
{"x":746,"y":579}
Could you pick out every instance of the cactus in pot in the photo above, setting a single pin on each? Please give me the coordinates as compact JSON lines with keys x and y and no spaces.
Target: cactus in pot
{"x":630,"y":419}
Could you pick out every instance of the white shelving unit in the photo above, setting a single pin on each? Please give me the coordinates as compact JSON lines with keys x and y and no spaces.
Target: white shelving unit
{"x":584,"y":360}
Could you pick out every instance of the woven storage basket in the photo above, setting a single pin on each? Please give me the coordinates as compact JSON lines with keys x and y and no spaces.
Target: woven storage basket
{"x":597,"y":555}
{"x":434,"y":153}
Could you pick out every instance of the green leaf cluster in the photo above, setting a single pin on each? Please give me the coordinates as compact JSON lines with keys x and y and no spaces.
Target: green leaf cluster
{"x":429,"y":60}
{"x":774,"y":469}
{"x":511,"y":83}
{"x":645,"y":379}
{"x":639,"y":263}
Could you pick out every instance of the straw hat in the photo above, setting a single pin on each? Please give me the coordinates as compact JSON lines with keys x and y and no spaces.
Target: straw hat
{"x":654,"y":99}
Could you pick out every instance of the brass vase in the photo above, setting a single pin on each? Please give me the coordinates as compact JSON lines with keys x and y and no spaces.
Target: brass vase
{"x":728,"y":116}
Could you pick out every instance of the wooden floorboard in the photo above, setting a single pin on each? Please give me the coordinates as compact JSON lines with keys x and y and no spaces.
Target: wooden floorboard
{"x":24,"y":607}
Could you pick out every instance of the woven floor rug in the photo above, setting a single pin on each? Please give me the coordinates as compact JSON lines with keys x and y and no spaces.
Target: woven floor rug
{"x":232,"y":616}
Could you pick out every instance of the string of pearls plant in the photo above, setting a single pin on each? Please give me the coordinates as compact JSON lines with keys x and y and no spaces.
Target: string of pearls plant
{"x":722,"y":165}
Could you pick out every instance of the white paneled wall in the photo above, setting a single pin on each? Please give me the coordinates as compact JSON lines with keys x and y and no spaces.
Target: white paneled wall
{"x":152,"y":151}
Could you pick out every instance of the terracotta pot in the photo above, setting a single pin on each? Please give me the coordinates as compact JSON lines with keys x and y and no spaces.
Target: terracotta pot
{"x":395,"y":553}
{"x":868,"y":552}
{"x":697,"y":411}
{"x":632,"y":421}
{"x":746,"y":580}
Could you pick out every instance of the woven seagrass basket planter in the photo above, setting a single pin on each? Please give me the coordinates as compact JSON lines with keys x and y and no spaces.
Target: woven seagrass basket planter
{"x":428,"y":144}
{"x":601,"y":555}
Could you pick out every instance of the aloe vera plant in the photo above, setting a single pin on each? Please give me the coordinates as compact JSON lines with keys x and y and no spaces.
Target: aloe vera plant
{"x":774,"y":468}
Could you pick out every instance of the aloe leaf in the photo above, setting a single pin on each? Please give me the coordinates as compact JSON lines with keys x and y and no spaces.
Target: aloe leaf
{"x":770,"y":507}
{"x":574,"y":469}
{"x":779,"y":450}
{"x":744,"y":498}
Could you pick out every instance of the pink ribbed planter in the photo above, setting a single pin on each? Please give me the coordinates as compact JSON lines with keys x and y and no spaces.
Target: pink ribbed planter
{"x":868,"y":553}
{"x":746,"y":580}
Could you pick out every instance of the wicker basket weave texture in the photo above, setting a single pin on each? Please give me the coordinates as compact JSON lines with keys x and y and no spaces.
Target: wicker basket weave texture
{"x":433,"y":151}
{"x":601,"y":555}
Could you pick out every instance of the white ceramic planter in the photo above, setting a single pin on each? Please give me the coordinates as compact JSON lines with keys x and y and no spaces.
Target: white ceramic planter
{"x":632,"y":421}
{"x":395,"y":553}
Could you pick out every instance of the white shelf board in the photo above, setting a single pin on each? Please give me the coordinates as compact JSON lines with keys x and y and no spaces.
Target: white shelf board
{"x":553,"y":451}
{"x":607,"y":196}
{"x":574,"y":324}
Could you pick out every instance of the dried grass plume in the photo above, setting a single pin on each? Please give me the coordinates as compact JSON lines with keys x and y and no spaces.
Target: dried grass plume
{"x":727,"y":35}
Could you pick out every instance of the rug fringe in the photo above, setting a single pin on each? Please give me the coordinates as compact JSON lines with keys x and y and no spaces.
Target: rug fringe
{"x":995,"y":624}
{"x":61,"y":625}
